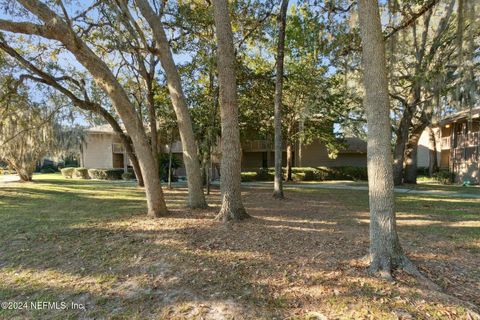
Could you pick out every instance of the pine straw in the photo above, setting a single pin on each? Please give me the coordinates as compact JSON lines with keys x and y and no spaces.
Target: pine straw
{"x":297,"y":258}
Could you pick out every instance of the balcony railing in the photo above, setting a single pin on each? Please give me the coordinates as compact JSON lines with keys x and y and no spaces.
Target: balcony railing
{"x":255,"y":145}
{"x":470,"y":139}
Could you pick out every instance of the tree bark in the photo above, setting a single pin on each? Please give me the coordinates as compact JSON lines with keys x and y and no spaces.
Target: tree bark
{"x":196,"y":198}
{"x":433,"y":161}
{"x":301,"y":128}
{"x":289,"y":153}
{"x":385,"y":250}
{"x":25,"y":173}
{"x":56,"y":28}
{"x":152,"y":115}
{"x":411,"y":162}
{"x":281,"y":24}
{"x":170,"y":155}
{"x":232,"y":206}
{"x":400,"y":144}
{"x":289,"y":161}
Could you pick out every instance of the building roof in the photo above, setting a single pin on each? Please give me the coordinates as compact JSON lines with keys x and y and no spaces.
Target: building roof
{"x":464,"y":114}
{"x":104,"y":128}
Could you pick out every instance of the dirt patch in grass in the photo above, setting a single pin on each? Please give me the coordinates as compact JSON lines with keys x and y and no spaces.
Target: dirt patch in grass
{"x":297,"y":258}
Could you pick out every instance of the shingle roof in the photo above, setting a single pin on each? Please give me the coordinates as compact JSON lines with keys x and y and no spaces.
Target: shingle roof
{"x":104,"y":128}
{"x":474,"y":112}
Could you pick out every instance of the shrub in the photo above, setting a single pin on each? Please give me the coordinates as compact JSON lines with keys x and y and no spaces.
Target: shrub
{"x":48,"y":168}
{"x":97,"y":174}
{"x":350,"y":173}
{"x":298,"y":176}
{"x":128,"y":176}
{"x":71,"y":162}
{"x":114,"y":174}
{"x":106,"y":174}
{"x":163,"y":162}
{"x":444,"y":176}
{"x":264,"y":174}
{"x":423,"y":171}
{"x":249,"y":176}
{"x":67,"y":172}
{"x":80,"y":173}
{"x":308,"y":174}
{"x":312,"y":174}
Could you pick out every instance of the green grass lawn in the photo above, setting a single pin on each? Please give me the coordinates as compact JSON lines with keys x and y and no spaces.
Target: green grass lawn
{"x":89,"y":242}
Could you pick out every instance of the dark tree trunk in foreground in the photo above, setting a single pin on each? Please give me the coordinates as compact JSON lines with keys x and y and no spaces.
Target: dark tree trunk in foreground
{"x":25,"y":174}
{"x":289,"y":161}
{"x":232,"y":206}
{"x":433,"y":161}
{"x":385,"y":250}
{"x":411,"y":161}
{"x":278,"y":180}
{"x":400,"y":145}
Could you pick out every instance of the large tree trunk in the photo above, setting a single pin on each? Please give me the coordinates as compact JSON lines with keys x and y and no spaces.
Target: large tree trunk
{"x":411,"y":161}
{"x":385,"y":250}
{"x":301,"y":128}
{"x":281,"y":23}
{"x":211,"y":135}
{"x":196,"y":198}
{"x":152,"y":115}
{"x":59,"y":30}
{"x":24,"y":171}
{"x":232,"y":206}
{"x":170,"y":156}
{"x":289,"y":160}
{"x":148,"y":164}
{"x":433,"y":161}
{"x":289,"y":152}
{"x":400,"y":144}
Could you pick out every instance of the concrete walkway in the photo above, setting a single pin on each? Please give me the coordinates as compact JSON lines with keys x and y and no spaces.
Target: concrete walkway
{"x":345,"y":186}
{"x":342,"y":185}
{"x":5,"y":178}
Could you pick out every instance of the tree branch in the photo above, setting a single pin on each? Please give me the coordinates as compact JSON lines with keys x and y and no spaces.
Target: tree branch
{"x":413,"y":18}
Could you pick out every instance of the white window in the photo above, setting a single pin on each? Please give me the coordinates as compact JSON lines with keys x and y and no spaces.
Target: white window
{"x":118,"y":148}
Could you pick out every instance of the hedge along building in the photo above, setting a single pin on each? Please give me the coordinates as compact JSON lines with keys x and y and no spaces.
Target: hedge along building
{"x":454,"y":144}
{"x":102,"y":148}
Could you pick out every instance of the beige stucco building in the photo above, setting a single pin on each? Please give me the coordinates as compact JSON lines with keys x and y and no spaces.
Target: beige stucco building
{"x":102,"y":148}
